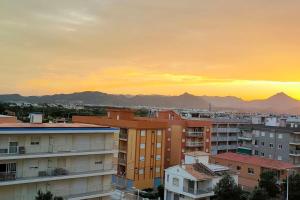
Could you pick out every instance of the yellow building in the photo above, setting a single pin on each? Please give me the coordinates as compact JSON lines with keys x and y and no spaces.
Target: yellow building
{"x":141,"y":148}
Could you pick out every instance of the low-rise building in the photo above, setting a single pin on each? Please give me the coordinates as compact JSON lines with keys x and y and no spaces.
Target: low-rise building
{"x":194,"y":180}
{"x":7,"y":119}
{"x":249,"y":168}
{"x":73,"y":161}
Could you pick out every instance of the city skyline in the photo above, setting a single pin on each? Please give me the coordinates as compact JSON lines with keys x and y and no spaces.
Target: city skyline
{"x":139,"y":47}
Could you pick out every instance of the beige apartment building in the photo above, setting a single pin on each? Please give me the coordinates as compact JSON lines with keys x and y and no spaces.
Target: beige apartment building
{"x":73,"y":161}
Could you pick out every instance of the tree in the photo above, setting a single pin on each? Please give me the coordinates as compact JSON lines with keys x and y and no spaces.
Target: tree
{"x":227,"y":189}
{"x":268,"y":182}
{"x":294,"y":187}
{"x":161,"y":190}
{"x":258,"y":194}
{"x":46,"y":196}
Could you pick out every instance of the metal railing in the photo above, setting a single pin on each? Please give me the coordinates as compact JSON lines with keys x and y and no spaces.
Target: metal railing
{"x":56,"y":172}
{"x":96,"y":189}
{"x":42,"y":149}
{"x":197,"y":191}
{"x":295,"y":152}
{"x":194,"y":133}
{"x":193,"y":144}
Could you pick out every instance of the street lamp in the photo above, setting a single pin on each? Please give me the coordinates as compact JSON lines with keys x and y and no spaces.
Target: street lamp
{"x":287,"y":185}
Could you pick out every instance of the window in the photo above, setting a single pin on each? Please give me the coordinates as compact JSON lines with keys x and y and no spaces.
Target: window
{"x":262,"y":143}
{"x":271,"y":145}
{"x":280,"y":136}
{"x":279,"y":158}
{"x":175,"y":182}
{"x":238,"y":168}
{"x":143,"y":133}
{"x":256,"y":142}
{"x":250,"y":171}
{"x":158,"y":132}
{"x":168,"y":177}
{"x":280,"y":146}
{"x":157,"y":169}
{"x":142,"y":158}
{"x":262,"y":153}
{"x":142,"y":146}
{"x":270,"y":156}
{"x":158,"y":145}
{"x":33,"y":164}
{"x":263,"y":134}
{"x":35,"y":140}
{"x":141,"y":171}
{"x":271,"y":135}
{"x":256,"y":152}
{"x":158,"y":157}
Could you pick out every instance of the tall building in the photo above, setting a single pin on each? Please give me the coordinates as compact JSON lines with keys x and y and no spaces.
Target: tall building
{"x":225,"y":134}
{"x":141,"y":147}
{"x":274,"y":142}
{"x":73,"y":161}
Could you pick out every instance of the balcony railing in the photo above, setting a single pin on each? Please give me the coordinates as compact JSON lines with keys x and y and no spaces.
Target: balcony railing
{"x":295,"y":152}
{"x":197,"y":191}
{"x":102,"y":190}
{"x":7,"y":176}
{"x":35,"y":150}
{"x":194,"y":134}
{"x":54,"y":174}
{"x":226,"y":130}
{"x":123,"y":136}
{"x":122,"y":161}
{"x":194,"y":144}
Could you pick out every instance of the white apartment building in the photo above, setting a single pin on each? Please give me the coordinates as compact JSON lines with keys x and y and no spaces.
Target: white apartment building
{"x":194,"y":180}
{"x":73,"y":161}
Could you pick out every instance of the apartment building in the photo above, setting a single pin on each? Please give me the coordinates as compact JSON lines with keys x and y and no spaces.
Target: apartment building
{"x":73,"y":161}
{"x":225,"y":134}
{"x":249,"y":167}
{"x":195,"y":179}
{"x":183,"y":136}
{"x":278,"y":143}
{"x":141,"y":147}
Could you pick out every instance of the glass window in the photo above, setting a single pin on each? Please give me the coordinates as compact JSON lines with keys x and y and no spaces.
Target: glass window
{"x":250,"y":171}
{"x":279,"y":158}
{"x":142,"y":146}
{"x":141,"y":171}
{"x":142,"y":158}
{"x":175,"y":182}
{"x":271,"y":135}
{"x":157,"y":169}
{"x":143,"y":133}
{"x":158,"y":132}
{"x":280,"y":146}
{"x":35,"y":140}
{"x":158,"y":145}
{"x":280,"y":136}
{"x":271,"y":145}
{"x":263,"y":134}
{"x":158,"y":157}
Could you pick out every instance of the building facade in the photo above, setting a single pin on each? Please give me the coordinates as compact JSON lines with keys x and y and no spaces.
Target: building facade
{"x":249,"y":167}
{"x":141,"y":148}
{"x":73,"y":161}
{"x":278,"y":143}
{"x":195,"y":179}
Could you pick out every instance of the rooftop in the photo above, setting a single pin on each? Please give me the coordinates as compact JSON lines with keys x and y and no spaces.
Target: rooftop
{"x":254,"y":160}
{"x":49,"y":125}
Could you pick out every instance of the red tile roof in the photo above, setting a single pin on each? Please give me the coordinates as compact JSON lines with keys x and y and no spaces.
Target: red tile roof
{"x":198,"y":175}
{"x":254,"y":160}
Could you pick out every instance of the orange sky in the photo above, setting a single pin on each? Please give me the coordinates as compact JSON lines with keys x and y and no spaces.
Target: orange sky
{"x":249,"y":49}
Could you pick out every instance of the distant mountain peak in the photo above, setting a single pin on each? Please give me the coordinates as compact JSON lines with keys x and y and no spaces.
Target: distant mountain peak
{"x":186,"y":94}
{"x":281,"y":95}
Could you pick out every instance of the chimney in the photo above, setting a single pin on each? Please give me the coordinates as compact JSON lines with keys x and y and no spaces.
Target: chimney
{"x":36,"y":118}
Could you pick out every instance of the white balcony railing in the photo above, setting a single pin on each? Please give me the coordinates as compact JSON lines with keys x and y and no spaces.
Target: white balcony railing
{"x":193,"y":144}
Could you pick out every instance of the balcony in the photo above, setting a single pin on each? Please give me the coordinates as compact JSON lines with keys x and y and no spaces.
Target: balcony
{"x":294,"y":152}
{"x":193,"y":144}
{"x":295,"y":141}
{"x":197,"y":191}
{"x":122,"y":161}
{"x":52,"y":175}
{"x":194,"y":134}
{"x":123,"y":136}
{"x":123,"y":149}
{"x":226,"y":130}
{"x":100,"y":192}
{"x":32,"y":151}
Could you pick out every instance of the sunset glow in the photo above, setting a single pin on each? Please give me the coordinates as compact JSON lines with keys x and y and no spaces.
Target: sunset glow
{"x":230,"y":48}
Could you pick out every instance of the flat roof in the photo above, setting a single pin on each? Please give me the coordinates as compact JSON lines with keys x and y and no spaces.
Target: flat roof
{"x":254,"y":160}
{"x":4,"y":116}
{"x":35,"y":128}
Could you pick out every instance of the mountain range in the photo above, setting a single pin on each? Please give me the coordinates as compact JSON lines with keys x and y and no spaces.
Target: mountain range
{"x":279,"y":103}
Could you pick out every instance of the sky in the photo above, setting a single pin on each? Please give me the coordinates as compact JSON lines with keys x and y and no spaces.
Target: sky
{"x":249,"y":49}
